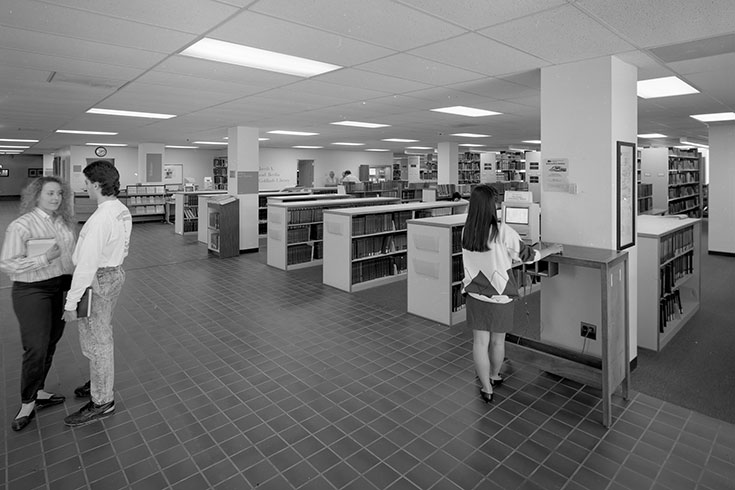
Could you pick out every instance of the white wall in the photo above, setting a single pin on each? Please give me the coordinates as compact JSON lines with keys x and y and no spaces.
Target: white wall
{"x":17,"y":166}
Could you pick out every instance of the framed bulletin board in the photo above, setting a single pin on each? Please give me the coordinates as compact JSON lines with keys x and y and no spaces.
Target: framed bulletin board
{"x":173,"y":173}
{"x":626,"y":200}
{"x":4,"y":172}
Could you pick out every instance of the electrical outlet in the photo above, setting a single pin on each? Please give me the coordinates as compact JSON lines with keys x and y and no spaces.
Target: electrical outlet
{"x":587,"y":330}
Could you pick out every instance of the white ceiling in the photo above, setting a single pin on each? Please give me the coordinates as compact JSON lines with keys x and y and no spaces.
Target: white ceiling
{"x":59,"y":58}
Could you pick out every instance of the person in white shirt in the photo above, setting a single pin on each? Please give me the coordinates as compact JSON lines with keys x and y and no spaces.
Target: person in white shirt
{"x":102,"y":246}
{"x":348,"y":177}
{"x":36,"y":254}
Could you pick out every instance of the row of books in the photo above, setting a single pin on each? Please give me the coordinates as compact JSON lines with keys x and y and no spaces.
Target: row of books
{"x":214,"y":220}
{"x":645,"y":204}
{"x":684,"y":178}
{"x":676,"y":163}
{"x":683,"y":152}
{"x":378,"y":245}
{"x":191,"y":213}
{"x":145,"y":189}
{"x":457,"y":268}
{"x":645,"y":190}
{"x":669,"y":309}
{"x":676,"y":270}
{"x":676,"y":243}
{"x":219,"y":171}
{"x":305,"y":233}
{"x":458,"y":299}
{"x":190,"y":226}
{"x":429,"y":213}
{"x":683,"y":206}
{"x":142,"y":200}
{"x":214,"y":241}
{"x":374,"y":223}
{"x":157,"y":209}
{"x":683,"y":191}
{"x":380,"y":267}
{"x":457,"y":239}
{"x":220,"y":162}
{"x":305,"y":215}
{"x":299,"y":254}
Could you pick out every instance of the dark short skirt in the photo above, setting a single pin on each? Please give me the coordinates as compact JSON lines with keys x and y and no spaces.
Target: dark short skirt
{"x":493,"y":317}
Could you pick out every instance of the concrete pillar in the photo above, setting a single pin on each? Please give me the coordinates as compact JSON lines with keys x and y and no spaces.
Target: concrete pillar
{"x":448,"y":166}
{"x":721,"y":200}
{"x":242,"y":182}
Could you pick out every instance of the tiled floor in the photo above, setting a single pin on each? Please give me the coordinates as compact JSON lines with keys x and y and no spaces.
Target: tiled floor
{"x":232,"y":375}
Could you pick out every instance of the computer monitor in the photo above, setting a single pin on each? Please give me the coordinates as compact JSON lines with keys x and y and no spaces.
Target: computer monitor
{"x":516,"y":216}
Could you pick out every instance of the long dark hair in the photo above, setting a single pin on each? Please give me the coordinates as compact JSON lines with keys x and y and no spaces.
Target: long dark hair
{"x":481,"y":225}
{"x":31,"y":193}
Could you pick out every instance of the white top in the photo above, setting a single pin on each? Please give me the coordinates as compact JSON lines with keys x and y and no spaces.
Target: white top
{"x":103,"y":242}
{"x":14,"y":259}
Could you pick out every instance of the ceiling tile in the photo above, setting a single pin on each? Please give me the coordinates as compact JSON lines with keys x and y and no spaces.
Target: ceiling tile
{"x":560,"y":35}
{"x":377,"y":82}
{"x":419,"y":69}
{"x":381,"y":22}
{"x":462,"y":52}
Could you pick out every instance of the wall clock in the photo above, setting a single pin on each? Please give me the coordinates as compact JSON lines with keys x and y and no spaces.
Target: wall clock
{"x":100,"y":151}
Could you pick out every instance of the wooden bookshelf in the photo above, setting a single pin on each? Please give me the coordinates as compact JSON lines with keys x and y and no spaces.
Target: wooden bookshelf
{"x":295,"y":229}
{"x":223,"y":226}
{"x":145,"y":202}
{"x":669,"y":277}
{"x":367,"y":246}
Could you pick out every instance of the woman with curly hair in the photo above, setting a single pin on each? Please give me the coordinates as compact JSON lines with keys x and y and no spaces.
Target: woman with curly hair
{"x":37,"y":255}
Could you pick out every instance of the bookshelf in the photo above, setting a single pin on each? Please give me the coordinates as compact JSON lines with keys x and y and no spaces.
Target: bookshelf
{"x":145,"y":202}
{"x":685,"y":183}
{"x":510,"y":163}
{"x":223,"y":226}
{"x":468,"y":166}
{"x":675,"y":175}
{"x":645,"y":198}
{"x":263,"y":207}
{"x":219,"y":172}
{"x":367,"y":246}
{"x":669,"y":277}
{"x":188,"y":209}
{"x":295,"y":229}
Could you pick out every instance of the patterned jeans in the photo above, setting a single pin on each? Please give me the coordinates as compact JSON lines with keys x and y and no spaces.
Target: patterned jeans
{"x":95,"y":333}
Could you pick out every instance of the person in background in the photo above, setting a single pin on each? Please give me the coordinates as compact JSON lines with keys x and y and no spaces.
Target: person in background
{"x":331,"y":179}
{"x":489,"y":249}
{"x":103,"y":245}
{"x":348,"y":177}
{"x":40,"y":280}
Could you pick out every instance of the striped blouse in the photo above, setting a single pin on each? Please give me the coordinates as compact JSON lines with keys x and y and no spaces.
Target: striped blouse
{"x":33,"y":225}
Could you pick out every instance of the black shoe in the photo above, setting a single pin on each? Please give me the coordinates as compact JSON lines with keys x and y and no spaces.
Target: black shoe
{"x":19,"y":423}
{"x":50,"y":402}
{"x":496,"y":382}
{"x":486,"y":397}
{"x":82,"y":391}
{"x":89,"y":413}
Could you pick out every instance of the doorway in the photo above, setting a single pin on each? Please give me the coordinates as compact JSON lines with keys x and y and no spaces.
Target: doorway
{"x":305,"y":173}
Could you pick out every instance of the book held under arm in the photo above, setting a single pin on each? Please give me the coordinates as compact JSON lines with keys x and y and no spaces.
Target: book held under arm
{"x":38,"y":246}
{"x":84,"y":307}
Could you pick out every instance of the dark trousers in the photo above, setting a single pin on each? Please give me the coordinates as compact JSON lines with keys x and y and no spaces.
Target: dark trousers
{"x":39,"y":307}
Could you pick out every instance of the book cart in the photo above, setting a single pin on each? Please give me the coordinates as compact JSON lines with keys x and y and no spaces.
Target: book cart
{"x":367,"y":246}
{"x":669,"y":277}
{"x":295,"y":229}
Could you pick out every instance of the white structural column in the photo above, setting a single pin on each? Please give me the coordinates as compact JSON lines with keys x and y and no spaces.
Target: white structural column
{"x":150,"y":163}
{"x":448,"y":166}
{"x":242,"y":181}
{"x":586,"y":108}
{"x":721,"y":200}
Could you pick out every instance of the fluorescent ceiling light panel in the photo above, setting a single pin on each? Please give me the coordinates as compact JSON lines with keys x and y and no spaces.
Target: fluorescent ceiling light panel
{"x":471,"y":135}
{"x":11,"y":140}
{"x":461,"y":110}
{"x":377,"y":149}
{"x":292,"y":133}
{"x":14,"y":146}
{"x":345,"y":143}
{"x":115,"y":112}
{"x":664,"y":87}
{"x":469,"y":144}
{"x":652,"y":135}
{"x":684,"y":141}
{"x":210,"y":143}
{"x":181,"y":147}
{"x":306,"y":147}
{"x":419,"y":147}
{"x":714,"y":117}
{"x":105,"y":144}
{"x":261,"y":59}
{"x":533,"y":142}
{"x":79,"y":131}
{"x":399,"y":140}
{"x":359,"y":124}
{"x":263,"y":139}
